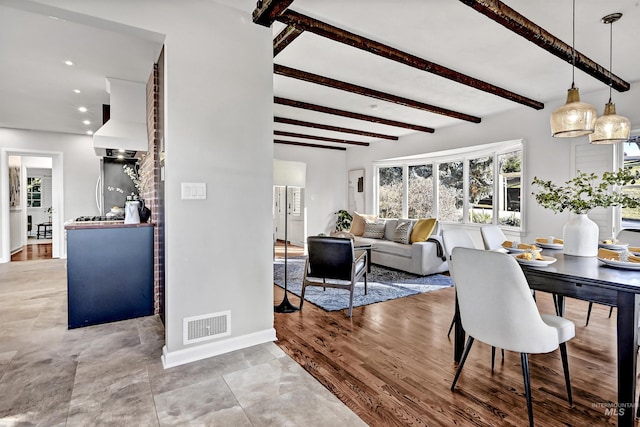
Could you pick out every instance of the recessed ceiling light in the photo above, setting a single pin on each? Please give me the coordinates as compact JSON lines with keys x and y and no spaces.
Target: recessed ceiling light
{"x":89,"y":132}
{"x":77,"y":91}
{"x":86,"y":122}
{"x":82,"y":109}
{"x":69,"y":63}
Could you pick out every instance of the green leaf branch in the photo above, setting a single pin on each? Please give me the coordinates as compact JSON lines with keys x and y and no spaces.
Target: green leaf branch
{"x":587,"y":191}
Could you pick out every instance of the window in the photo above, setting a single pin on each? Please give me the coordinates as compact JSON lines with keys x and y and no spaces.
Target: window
{"x":481,"y":190}
{"x":390,"y":191}
{"x":450,"y":198}
{"x":476,"y":185}
{"x":510,"y":188}
{"x":420,"y":191}
{"x":34,"y":192}
{"x":631,"y":216}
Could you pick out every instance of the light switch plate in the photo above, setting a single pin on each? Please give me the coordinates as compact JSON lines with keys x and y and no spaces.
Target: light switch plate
{"x":194,"y":191}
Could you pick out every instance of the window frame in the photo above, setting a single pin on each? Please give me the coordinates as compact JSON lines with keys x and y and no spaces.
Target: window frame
{"x":462,"y":154}
{"x":30,"y":192}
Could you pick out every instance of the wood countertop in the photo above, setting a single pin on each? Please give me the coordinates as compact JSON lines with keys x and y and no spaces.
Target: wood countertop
{"x":81,"y":225}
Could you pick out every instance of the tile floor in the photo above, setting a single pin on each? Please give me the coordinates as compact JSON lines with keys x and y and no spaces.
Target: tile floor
{"x":111,"y":374}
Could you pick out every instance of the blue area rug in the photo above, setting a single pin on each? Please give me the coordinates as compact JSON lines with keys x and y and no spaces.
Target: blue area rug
{"x":383,"y":284}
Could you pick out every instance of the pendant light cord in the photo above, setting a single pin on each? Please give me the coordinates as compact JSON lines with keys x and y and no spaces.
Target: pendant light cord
{"x":610,"y":58}
{"x":573,"y":47}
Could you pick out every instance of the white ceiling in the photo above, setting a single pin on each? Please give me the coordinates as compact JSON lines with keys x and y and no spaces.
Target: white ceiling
{"x":36,"y":87}
{"x":454,"y":35}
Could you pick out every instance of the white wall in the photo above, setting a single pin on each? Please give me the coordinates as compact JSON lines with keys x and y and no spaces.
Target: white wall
{"x":546,"y":157}
{"x":218,"y":131}
{"x":326,"y":188}
{"x":80,"y":171}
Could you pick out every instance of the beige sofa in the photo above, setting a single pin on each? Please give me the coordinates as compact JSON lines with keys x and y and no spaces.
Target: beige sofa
{"x":421,"y":258}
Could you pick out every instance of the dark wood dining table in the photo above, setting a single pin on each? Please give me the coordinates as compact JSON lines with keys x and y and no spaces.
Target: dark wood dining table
{"x":588,"y":279}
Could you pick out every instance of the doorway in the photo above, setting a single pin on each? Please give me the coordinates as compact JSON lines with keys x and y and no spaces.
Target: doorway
{"x":13,"y":214}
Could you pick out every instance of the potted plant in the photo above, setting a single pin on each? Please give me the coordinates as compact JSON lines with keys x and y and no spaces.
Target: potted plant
{"x":580,"y":195}
{"x":343,"y":222}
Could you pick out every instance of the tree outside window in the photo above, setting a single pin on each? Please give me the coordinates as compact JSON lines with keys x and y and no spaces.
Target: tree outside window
{"x":631,"y":216}
{"x":420,"y":191}
{"x":509,"y":183}
{"x":481,"y":190}
{"x":450,"y":197}
{"x":390,"y":192}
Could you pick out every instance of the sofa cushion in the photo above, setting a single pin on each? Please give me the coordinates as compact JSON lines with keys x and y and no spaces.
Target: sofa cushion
{"x":390,"y":228}
{"x":358,"y":222}
{"x":394,"y":248}
{"x":423,"y":229}
{"x":374,"y":230}
{"x":403,"y":231}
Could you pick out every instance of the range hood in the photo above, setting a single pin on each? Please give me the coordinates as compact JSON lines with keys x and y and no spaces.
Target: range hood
{"x":125,"y":133}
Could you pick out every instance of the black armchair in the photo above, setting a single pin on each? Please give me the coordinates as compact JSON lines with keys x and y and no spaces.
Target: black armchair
{"x":332,"y":263}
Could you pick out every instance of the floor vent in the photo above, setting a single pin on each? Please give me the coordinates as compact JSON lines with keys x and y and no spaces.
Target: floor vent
{"x":206,"y":327}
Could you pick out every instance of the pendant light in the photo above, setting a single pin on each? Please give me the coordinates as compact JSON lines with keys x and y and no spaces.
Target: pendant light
{"x":610,"y":127}
{"x":574,"y":118}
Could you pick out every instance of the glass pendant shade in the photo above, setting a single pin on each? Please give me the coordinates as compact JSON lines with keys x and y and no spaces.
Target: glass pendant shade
{"x":610,"y":127}
{"x":575,"y":118}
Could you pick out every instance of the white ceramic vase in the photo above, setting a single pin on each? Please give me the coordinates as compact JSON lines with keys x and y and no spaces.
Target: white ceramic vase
{"x":131,"y":214}
{"x":580,"y":236}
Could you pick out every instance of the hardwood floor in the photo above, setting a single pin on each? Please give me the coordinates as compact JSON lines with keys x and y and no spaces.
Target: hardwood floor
{"x":392,"y":364}
{"x":34,"y":251}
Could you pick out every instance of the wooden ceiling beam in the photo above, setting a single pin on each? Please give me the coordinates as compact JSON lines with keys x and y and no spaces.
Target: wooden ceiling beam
{"x":323,"y":29}
{"x":509,"y":18}
{"x":333,"y":128}
{"x":349,"y":114}
{"x":267,"y":11}
{"x":304,"y":144}
{"x":286,"y":36}
{"x":372,"y":93}
{"x":319,"y":138}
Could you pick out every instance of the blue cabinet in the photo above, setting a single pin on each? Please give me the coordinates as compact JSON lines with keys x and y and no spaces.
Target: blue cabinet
{"x":109,"y":273}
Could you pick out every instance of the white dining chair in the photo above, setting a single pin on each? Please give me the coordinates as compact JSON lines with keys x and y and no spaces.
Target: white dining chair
{"x":492,"y":237}
{"x":496,"y":307}
{"x":453,"y":238}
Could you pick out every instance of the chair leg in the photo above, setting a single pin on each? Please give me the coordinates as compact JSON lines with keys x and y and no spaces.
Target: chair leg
{"x":304,"y":288}
{"x":610,"y":311}
{"x":353,"y":285}
{"x":493,"y":357}
{"x":453,"y":322}
{"x":462,"y":360}
{"x":589,"y":313}
{"x":365,"y":282}
{"x":565,"y":367}
{"x":524,"y":358}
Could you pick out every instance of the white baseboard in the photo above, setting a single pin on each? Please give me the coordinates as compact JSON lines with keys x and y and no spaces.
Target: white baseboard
{"x":203,"y":351}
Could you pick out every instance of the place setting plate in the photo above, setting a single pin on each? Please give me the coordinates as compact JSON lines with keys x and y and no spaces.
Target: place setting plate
{"x":619,"y":246}
{"x":544,"y":243}
{"x":620,"y":264}
{"x":545,"y":261}
{"x":519,"y":251}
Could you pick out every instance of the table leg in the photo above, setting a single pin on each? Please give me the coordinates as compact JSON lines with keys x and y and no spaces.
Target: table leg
{"x":627,"y":336}
{"x":368,"y":260}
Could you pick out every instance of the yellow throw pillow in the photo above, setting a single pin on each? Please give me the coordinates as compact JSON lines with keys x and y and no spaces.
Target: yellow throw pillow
{"x":422,"y":229}
{"x":358,"y":221}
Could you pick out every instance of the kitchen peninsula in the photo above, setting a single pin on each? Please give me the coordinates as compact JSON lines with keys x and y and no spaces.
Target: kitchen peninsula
{"x":109,"y":272}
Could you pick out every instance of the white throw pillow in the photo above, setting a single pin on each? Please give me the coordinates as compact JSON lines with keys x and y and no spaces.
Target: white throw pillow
{"x":373,"y":230}
{"x":403,"y":231}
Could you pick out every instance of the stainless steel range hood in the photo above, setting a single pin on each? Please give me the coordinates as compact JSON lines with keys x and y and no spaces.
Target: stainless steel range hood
{"x":126,"y":131}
